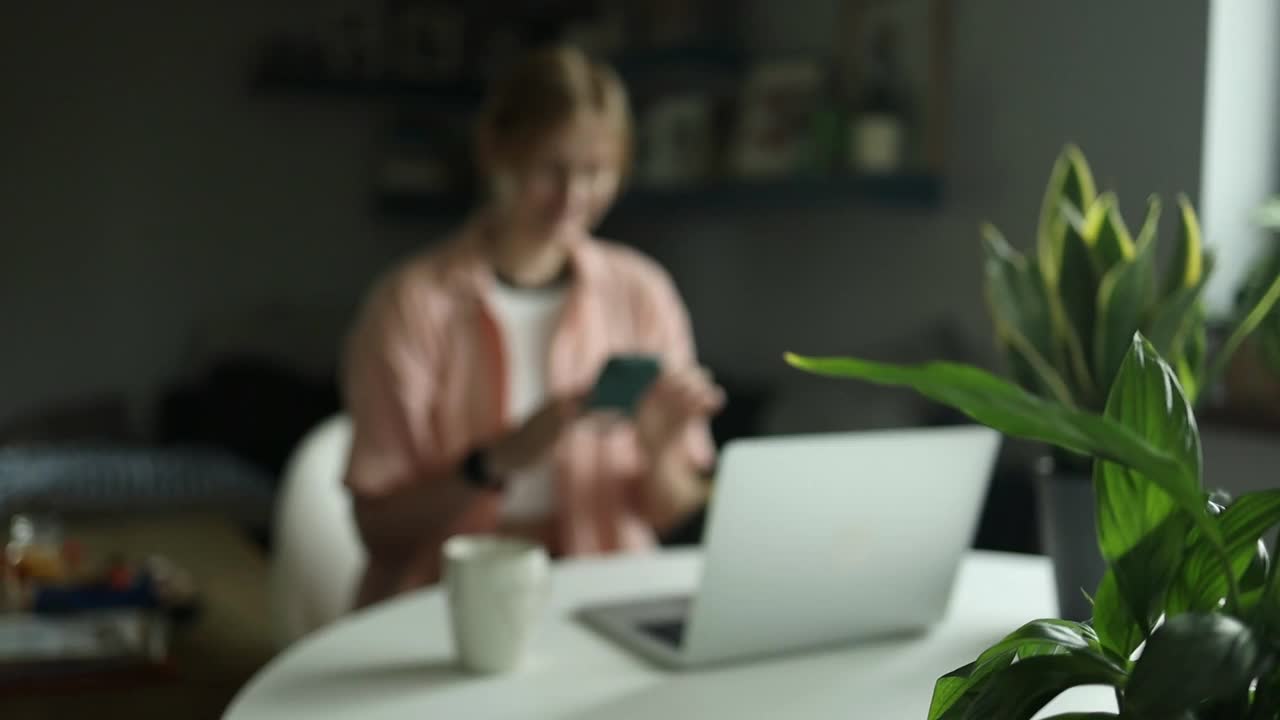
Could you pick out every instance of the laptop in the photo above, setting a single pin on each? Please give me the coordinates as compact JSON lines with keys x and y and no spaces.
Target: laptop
{"x":819,"y":540}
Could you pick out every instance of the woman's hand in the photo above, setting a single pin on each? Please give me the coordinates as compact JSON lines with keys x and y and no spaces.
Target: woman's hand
{"x":678,"y":399}
{"x":532,"y":441}
{"x":675,"y":486}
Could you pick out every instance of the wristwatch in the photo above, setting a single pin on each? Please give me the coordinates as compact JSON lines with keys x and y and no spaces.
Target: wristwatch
{"x":477,"y":473}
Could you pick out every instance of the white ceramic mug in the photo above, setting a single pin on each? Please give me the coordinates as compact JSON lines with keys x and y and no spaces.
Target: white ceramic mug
{"x":497,"y":589}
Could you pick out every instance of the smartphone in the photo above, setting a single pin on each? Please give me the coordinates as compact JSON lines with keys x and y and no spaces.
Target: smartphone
{"x":623,"y":381}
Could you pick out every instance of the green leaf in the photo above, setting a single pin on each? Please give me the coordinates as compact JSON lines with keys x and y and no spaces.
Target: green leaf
{"x":1113,"y":620}
{"x":1083,"y":716}
{"x":1195,"y":347}
{"x":1122,"y":302}
{"x":957,"y":690}
{"x":1249,"y":518}
{"x":1179,"y":329}
{"x":1016,"y":299}
{"x":1268,"y":618}
{"x":1266,"y":698}
{"x":1072,"y":181}
{"x":1066,"y":264}
{"x":1105,"y":229}
{"x":1075,"y":217}
{"x":1020,"y":690}
{"x":1059,"y":635}
{"x":1145,"y":573}
{"x":1253,"y":581}
{"x":952,"y":694}
{"x":1150,"y":227}
{"x":1076,"y":300}
{"x":1202,"y":582}
{"x":1140,"y":529}
{"x":1187,"y":268}
{"x":1191,"y":659}
{"x":1013,"y":411}
{"x":1003,"y":406}
{"x":1147,"y":400}
{"x":1169,"y":325}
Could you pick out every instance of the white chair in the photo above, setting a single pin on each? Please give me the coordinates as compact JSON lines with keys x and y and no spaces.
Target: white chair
{"x":317,"y":556}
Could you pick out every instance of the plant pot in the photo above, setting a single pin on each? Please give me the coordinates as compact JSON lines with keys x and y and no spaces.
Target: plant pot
{"x":1252,"y":387}
{"x":1068,"y":535}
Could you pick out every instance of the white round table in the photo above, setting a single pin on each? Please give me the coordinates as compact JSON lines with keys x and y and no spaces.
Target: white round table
{"x":395,"y":660}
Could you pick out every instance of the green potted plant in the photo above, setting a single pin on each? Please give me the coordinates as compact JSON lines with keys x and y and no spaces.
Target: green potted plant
{"x":1064,"y":314}
{"x":1185,"y":623}
{"x":1253,"y":378}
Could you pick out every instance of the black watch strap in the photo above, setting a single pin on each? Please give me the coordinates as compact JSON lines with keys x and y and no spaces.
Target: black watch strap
{"x":476,"y":472}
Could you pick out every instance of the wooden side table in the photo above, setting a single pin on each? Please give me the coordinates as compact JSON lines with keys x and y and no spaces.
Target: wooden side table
{"x":212,"y":657}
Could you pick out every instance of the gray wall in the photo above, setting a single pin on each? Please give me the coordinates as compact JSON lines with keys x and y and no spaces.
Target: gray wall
{"x":145,"y":194}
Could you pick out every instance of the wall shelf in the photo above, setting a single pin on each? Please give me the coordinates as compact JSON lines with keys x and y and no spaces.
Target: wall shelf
{"x":721,"y":57}
{"x":714,"y":66}
{"x":634,"y":65}
{"x":909,"y":191}
{"x":458,"y":95}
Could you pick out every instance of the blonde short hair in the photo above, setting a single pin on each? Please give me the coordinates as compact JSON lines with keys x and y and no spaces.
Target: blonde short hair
{"x":548,"y":88}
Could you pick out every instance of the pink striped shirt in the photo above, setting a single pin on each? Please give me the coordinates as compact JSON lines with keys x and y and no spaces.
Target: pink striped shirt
{"x":424,"y":382}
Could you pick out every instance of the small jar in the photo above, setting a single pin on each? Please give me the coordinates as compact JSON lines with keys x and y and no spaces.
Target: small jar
{"x":34,"y":550}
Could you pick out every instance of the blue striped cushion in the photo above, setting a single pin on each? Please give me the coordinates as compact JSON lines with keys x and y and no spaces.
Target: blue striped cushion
{"x":88,"y":480}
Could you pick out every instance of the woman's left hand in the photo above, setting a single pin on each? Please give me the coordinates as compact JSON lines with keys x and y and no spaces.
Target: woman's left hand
{"x":680,"y":397}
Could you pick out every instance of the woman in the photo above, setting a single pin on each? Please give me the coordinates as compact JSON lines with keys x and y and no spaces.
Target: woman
{"x":466,"y":372}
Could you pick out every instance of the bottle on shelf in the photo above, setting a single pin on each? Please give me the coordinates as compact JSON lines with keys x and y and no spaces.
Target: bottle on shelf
{"x":879,"y":127}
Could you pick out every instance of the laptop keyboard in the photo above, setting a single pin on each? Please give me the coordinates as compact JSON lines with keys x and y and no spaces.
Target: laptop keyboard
{"x":670,"y":632}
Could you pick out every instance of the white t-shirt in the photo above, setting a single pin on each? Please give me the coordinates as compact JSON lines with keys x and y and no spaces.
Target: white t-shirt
{"x":527,"y":318}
